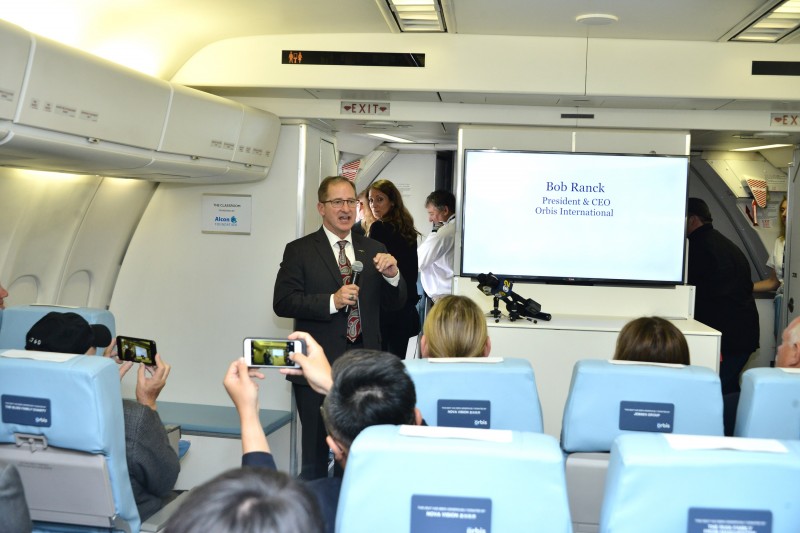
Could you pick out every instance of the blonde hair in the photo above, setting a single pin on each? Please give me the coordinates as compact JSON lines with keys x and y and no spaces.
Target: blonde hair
{"x":652,"y":339}
{"x":455,"y":327}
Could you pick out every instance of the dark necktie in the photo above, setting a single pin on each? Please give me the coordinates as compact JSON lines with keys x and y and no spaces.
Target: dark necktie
{"x":353,"y":318}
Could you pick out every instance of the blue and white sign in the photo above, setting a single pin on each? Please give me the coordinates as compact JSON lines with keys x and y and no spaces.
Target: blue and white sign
{"x":464,"y":414}
{"x":647,"y":416}
{"x":25,"y":411}
{"x":702,"y":520}
{"x":450,"y":514}
{"x":227,"y":213}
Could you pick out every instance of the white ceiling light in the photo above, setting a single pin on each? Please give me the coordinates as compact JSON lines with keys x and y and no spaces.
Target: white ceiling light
{"x":596,"y":19}
{"x":774,"y":25}
{"x":418,"y":15}
{"x":765,"y":147}
{"x":390,"y":138}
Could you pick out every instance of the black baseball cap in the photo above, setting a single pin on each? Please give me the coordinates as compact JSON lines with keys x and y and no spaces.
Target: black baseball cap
{"x":66,"y":333}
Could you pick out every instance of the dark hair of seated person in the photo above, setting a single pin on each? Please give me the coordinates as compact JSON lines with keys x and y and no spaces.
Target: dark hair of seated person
{"x":369,"y":388}
{"x":652,"y":339}
{"x":248,"y":500}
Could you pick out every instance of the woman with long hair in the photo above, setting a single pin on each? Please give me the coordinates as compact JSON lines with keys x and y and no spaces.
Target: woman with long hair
{"x":394,"y":227}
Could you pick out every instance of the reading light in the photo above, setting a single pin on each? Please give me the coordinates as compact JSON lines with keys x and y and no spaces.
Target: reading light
{"x":773,"y":25}
{"x":764,"y":147}
{"x":418,"y":15}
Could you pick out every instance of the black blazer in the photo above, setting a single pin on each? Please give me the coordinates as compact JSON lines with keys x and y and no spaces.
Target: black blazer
{"x":307,"y":277}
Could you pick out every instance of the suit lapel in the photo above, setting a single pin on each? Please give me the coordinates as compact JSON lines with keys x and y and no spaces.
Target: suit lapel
{"x":358,"y":248}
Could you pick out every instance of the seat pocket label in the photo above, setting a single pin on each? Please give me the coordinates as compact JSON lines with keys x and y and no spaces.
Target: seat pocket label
{"x":647,"y":416}
{"x":25,"y":411}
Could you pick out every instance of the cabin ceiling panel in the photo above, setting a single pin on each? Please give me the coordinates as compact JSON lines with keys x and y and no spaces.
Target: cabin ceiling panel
{"x":687,"y":20}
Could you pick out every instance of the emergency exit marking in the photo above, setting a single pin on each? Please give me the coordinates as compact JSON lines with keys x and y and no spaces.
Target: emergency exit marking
{"x":785,"y":119}
{"x":364,"y":108}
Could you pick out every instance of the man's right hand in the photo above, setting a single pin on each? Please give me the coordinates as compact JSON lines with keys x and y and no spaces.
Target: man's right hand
{"x":315,"y":366}
{"x":241,"y":387}
{"x":346,"y":295}
{"x":150,"y":380}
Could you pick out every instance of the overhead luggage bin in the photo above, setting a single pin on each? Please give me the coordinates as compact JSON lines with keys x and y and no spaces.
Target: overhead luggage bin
{"x":15,"y":44}
{"x":64,"y":110}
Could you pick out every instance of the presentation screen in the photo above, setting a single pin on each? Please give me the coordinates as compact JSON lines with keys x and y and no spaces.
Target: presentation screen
{"x":573,"y":217}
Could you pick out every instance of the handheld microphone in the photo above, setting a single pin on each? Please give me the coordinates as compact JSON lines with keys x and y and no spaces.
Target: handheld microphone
{"x":357,"y":268}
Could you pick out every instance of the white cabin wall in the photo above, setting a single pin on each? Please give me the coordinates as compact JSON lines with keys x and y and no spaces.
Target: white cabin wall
{"x":63,"y":235}
{"x":198,"y":295}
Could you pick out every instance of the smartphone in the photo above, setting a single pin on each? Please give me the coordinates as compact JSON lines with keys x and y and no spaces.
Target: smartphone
{"x":136,"y":350}
{"x":272,"y":353}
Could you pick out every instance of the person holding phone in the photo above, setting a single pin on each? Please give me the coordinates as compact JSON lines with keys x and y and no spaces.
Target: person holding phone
{"x":363,"y":388}
{"x":153,"y":465}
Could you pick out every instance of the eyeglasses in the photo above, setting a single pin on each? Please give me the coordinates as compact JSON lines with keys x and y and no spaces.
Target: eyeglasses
{"x":351,"y":202}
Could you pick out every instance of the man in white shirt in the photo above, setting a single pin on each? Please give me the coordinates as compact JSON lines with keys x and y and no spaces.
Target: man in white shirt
{"x":435,"y":254}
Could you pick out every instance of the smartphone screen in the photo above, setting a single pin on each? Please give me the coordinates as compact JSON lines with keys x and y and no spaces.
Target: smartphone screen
{"x":271,"y":353}
{"x":136,"y":350}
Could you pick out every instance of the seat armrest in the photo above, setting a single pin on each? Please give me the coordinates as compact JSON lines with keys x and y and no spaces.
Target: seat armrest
{"x":158,"y":521}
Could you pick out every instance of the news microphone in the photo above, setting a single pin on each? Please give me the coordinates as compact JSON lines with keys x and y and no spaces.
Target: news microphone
{"x":490,"y":285}
{"x":357,"y":267}
{"x":487,"y":282}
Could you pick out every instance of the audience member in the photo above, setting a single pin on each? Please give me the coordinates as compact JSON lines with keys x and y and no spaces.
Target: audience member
{"x":13,"y":505}
{"x":394,"y":227}
{"x":3,"y":296}
{"x":364,"y":388}
{"x":455,"y":327}
{"x":652,"y":339}
{"x":788,"y":356}
{"x":314,"y":288}
{"x":724,"y":292}
{"x":248,"y":500}
{"x":789,"y":350}
{"x":364,"y":217}
{"x":435,"y":254}
{"x":152,"y":463}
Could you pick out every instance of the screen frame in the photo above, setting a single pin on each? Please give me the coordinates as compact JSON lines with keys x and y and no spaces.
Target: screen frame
{"x":568,"y":280}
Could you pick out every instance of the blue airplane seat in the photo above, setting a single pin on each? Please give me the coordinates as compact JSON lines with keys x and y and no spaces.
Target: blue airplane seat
{"x":482,"y":392}
{"x":63,"y":427}
{"x":607,"y":399}
{"x":18,"y":320}
{"x":421,"y":478}
{"x":769,"y":404}
{"x":668,"y":483}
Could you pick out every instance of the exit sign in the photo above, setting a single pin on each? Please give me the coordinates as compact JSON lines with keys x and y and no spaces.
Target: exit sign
{"x":785,"y":119}
{"x":364,"y":108}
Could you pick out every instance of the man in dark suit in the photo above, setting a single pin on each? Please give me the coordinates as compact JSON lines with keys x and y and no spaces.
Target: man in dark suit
{"x":314,"y":287}
{"x":724,"y":298}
